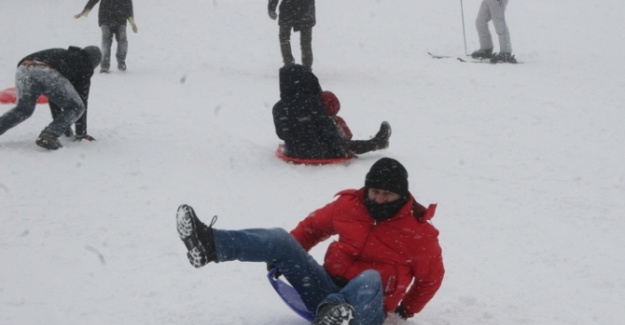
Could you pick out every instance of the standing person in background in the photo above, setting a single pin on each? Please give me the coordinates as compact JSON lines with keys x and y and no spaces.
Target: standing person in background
{"x":112,"y":17}
{"x":298,"y":15}
{"x":64,"y":76}
{"x":493,"y":10}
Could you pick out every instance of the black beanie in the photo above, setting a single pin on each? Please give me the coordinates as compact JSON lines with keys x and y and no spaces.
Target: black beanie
{"x":388,"y":174}
{"x":94,"y":54}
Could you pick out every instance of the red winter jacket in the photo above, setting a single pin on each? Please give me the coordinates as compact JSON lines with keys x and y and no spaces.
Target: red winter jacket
{"x":402,"y":249}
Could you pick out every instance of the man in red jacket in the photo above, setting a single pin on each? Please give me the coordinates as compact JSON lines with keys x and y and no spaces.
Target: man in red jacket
{"x":386,"y":258}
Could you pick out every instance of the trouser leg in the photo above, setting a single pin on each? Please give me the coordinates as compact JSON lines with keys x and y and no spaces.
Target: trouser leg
{"x":60,"y":91}
{"x":107,"y":41}
{"x":497,"y":12}
{"x":481,"y":24}
{"x":27,"y":91}
{"x":306,"y":46}
{"x":285,"y":45}
{"x":122,"y":43}
{"x":278,"y":248}
{"x":361,"y":146}
{"x":364,"y":293}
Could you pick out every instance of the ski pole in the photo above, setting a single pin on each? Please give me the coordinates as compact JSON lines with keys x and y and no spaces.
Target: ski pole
{"x":464,"y":34}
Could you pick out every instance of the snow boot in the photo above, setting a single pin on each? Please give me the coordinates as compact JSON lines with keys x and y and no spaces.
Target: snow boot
{"x":482,"y":54}
{"x":334,"y":314}
{"x":503,"y":57}
{"x":196,"y":236}
{"x":381,"y":138}
{"x":121,"y":66}
{"x":48,"y":141}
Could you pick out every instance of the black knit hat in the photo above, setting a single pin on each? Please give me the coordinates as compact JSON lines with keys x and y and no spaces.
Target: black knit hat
{"x":94,"y":54}
{"x":388,"y":174}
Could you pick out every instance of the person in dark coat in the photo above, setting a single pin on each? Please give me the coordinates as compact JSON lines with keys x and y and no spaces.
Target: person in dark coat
{"x":112,"y":17}
{"x":64,"y":76}
{"x":299,"y":16}
{"x":301,"y":120}
{"x":308,"y":131}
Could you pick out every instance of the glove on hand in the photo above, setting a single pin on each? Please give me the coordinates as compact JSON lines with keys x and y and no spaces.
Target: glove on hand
{"x":275,"y":275}
{"x":401,"y":311}
{"x":273,"y":15}
{"x":84,"y":13}
{"x":340,"y":281}
{"x":84,"y":136}
{"x":133,"y":25}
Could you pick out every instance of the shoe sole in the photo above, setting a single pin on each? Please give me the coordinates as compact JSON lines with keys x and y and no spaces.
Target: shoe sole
{"x":47,"y":144}
{"x":186,"y":226}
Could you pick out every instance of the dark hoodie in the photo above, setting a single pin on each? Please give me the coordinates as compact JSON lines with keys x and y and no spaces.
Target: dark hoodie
{"x":300,"y":118}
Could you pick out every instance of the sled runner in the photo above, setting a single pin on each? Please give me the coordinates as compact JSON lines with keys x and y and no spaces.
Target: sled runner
{"x":308,"y":161}
{"x":289,"y":296}
{"x":8,"y":96}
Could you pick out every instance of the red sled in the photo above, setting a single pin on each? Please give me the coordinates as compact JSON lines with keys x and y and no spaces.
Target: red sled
{"x":8,"y":96}
{"x":309,"y":161}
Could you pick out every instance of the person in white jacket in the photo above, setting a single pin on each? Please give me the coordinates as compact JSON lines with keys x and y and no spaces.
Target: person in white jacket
{"x":493,"y":10}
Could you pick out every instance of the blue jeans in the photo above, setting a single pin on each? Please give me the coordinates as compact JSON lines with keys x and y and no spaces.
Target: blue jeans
{"x":278,"y":248}
{"x":107,"y":42}
{"x":30,"y":83}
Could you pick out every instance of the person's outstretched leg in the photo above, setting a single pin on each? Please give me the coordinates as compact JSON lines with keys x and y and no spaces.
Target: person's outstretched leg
{"x":380,"y":141}
{"x":27,"y":92}
{"x":274,"y":247}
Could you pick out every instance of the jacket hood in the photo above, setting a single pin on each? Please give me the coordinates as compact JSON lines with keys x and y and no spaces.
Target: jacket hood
{"x":297,"y":80}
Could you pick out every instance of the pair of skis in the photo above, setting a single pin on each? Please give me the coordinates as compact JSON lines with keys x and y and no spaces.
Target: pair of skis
{"x":465,"y":60}
{"x":434,"y":56}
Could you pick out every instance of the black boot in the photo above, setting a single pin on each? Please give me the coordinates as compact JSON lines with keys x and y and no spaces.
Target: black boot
{"x":381,"y":138}
{"x":503,"y":57}
{"x":48,"y":141}
{"x":482,"y":54}
{"x":334,"y":314}
{"x":196,"y":236}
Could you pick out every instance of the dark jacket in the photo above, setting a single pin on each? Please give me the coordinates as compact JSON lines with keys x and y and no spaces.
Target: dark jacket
{"x":73,"y":64}
{"x":112,"y":12}
{"x":403,"y":249}
{"x":295,"y":13}
{"x":300,"y":118}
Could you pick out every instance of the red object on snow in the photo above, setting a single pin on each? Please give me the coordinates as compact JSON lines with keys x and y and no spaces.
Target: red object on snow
{"x":308,"y":161}
{"x":8,"y":96}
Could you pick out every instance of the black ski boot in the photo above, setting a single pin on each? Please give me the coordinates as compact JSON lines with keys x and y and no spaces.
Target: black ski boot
{"x":482,"y":54}
{"x":196,"y":236}
{"x":381,"y":138}
{"x":334,"y":314}
{"x":48,"y":141}
{"x":503,"y":57}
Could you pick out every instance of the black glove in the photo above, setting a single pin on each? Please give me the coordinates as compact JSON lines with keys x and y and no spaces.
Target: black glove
{"x":84,"y":136}
{"x":401,"y":311}
{"x":273,"y":15}
{"x":340,"y":281}
{"x":275,"y":275}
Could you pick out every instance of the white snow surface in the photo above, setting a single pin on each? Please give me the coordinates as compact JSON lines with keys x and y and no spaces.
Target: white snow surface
{"x":525,"y":161}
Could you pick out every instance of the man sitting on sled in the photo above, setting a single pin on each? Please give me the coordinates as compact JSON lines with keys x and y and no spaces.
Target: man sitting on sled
{"x":386,"y":259}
